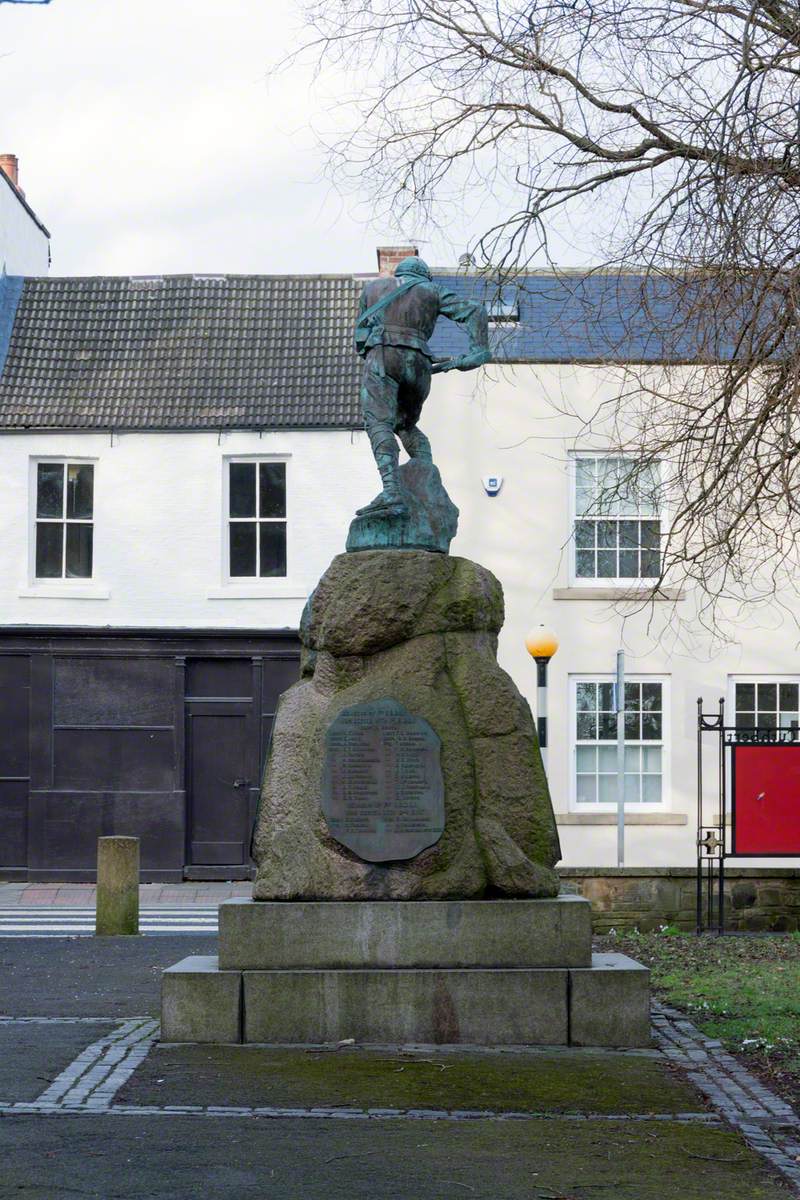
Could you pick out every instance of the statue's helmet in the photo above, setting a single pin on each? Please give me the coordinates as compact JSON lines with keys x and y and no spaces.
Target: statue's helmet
{"x":413,"y":266}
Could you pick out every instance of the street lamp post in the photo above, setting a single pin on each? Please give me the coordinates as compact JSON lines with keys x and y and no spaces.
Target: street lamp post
{"x":619,"y":705}
{"x":541,"y":643}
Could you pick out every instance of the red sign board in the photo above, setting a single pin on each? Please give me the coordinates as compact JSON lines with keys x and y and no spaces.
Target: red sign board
{"x":765,"y":784}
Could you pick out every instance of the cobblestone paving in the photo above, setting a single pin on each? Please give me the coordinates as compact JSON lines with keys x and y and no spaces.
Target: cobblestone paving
{"x":767,"y":1123}
{"x":91,"y":1080}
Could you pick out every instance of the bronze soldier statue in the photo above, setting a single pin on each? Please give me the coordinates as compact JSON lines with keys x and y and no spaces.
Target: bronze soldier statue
{"x":397,"y":316}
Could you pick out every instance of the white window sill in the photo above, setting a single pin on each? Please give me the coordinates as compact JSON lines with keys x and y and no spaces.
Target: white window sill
{"x":631,"y":818}
{"x":617,"y":592}
{"x":278,"y":589}
{"x":64,"y":590}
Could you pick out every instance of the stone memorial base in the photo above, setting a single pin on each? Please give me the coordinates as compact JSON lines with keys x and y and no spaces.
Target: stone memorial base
{"x":473,"y":972}
{"x":402,"y":644}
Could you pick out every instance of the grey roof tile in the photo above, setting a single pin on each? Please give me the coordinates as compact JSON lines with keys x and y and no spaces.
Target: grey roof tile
{"x":276,"y":351}
{"x":187,"y":352}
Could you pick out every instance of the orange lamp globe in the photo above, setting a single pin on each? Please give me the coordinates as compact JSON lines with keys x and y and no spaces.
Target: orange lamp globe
{"x":541,"y":642}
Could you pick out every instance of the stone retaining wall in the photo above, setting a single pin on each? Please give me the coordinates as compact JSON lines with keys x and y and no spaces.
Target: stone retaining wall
{"x":644,"y":898}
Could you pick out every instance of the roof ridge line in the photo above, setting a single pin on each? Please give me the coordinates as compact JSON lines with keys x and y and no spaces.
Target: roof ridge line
{"x":200,"y":276}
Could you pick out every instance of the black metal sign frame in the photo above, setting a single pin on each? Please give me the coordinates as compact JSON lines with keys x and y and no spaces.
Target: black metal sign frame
{"x":710,"y":838}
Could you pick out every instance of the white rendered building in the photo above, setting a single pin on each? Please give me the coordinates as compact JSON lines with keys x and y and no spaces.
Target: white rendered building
{"x":180,"y":459}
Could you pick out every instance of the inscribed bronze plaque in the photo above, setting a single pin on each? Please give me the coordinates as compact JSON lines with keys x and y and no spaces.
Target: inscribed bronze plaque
{"x":382,"y":787}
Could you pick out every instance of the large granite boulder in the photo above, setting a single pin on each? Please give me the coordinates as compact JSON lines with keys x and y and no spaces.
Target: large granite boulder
{"x":420,"y":629}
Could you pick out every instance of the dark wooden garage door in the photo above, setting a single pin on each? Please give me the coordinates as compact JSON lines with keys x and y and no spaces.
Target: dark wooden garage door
{"x":157,"y":734}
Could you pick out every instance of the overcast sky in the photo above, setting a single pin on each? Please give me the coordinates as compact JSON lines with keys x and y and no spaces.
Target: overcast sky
{"x":151,"y":140}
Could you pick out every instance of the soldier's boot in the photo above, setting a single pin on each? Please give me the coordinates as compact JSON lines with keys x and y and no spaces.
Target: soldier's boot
{"x":390,"y":502}
{"x":416,"y":444}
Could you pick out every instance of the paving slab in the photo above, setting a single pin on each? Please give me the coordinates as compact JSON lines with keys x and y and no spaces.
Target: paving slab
{"x":122,"y":1157}
{"x":502,"y":1081}
{"x":14,"y":894}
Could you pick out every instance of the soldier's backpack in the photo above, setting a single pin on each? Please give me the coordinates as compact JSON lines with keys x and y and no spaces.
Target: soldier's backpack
{"x":370,"y":319}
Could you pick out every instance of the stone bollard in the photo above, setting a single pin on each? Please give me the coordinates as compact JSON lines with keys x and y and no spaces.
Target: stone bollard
{"x":117,"y":886}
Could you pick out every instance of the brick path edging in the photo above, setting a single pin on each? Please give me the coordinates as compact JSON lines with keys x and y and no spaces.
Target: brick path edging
{"x":768,"y":1124}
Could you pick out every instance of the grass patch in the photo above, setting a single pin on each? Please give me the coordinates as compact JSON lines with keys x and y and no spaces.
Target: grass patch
{"x":743,"y":990}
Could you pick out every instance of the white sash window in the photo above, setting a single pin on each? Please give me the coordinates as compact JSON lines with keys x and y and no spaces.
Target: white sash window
{"x":256,"y":519}
{"x":616,"y":528}
{"x":64,"y":534}
{"x":594,"y":743}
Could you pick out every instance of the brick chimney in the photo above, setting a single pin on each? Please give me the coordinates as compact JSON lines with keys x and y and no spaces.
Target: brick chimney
{"x":9,"y":165}
{"x":388,"y":256}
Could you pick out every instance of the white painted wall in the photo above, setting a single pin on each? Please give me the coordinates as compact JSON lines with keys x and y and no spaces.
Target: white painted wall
{"x":505,"y":423}
{"x":24,"y":246}
{"x":159,"y":527}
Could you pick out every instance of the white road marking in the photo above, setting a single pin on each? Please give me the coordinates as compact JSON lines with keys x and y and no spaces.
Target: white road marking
{"x":79,"y":922}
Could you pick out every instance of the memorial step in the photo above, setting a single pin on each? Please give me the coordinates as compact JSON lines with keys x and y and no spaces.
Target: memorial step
{"x":276,"y":935}
{"x":605,"y":1004}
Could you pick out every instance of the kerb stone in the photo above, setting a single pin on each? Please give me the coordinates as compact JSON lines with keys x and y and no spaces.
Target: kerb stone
{"x":471,"y":1007}
{"x":610,"y":1003}
{"x":200,"y":1003}
{"x":262,"y":935}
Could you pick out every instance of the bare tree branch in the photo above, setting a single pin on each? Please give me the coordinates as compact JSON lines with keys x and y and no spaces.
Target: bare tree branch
{"x":682,"y":117}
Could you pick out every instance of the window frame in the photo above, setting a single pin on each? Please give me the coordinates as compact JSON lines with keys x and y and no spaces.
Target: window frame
{"x":76,"y":582}
{"x":600,"y":806}
{"x":627,"y":582}
{"x":756,"y":678}
{"x":265,"y":582}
